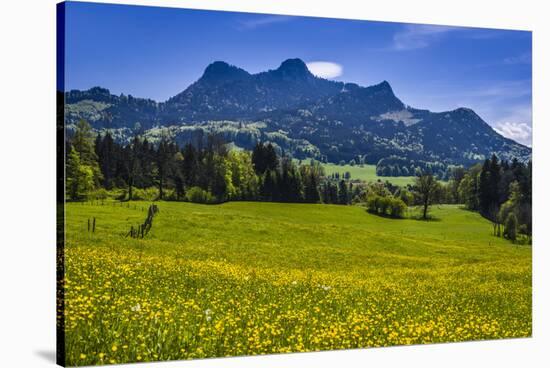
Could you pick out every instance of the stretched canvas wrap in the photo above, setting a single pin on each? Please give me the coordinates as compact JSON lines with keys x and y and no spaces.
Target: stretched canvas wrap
{"x":237,"y":184}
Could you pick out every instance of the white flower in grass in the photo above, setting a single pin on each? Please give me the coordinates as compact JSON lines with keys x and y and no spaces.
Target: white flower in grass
{"x":208,"y":313}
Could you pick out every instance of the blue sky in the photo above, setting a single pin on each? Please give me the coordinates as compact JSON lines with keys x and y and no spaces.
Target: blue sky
{"x":157,"y":52}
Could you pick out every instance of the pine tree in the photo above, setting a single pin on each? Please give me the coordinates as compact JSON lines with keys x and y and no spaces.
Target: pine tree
{"x":484,"y":194}
{"x":343,"y":194}
{"x":190,"y":165}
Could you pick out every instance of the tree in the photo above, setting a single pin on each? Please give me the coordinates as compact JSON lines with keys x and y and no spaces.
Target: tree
{"x":311,"y":189}
{"x":427,"y":190}
{"x":80,"y":178}
{"x":106,"y":152}
{"x":83,"y":142}
{"x":131,"y":164}
{"x":456,"y":176}
{"x":484,"y":193}
{"x":343,"y":193}
{"x":512,"y":205}
{"x":330,"y":193}
{"x":163,"y":160}
{"x":190,"y":165}
{"x":269,"y":183}
{"x":489,"y":186}
{"x":406,"y":196}
{"x":264,"y":158}
{"x":243,"y":178}
{"x":468,"y":189}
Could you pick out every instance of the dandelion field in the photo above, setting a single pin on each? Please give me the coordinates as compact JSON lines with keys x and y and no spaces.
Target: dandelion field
{"x":245,"y":278}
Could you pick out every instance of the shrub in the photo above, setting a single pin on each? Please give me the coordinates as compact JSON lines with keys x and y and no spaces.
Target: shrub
{"x":406,"y":196}
{"x":397,"y":207}
{"x":384,"y":203}
{"x":372,"y":203}
{"x":122,"y":195}
{"x":170,"y":195}
{"x":99,"y":194}
{"x":199,"y":195}
{"x":511,"y":227}
{"x":147,"y":194}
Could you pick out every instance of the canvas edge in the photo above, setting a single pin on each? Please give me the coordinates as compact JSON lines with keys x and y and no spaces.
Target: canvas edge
{"x":60,"y":183}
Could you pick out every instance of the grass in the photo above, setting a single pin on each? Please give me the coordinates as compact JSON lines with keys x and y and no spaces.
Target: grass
{"x":258,"y":278}
{"x":366,"y":173}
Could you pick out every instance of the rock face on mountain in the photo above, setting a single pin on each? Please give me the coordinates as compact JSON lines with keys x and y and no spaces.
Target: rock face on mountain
{"x":304,"y":115}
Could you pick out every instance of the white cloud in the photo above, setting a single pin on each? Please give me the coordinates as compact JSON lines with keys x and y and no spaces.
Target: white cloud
{"x":520,"y":132}
{"x":325,"y":69}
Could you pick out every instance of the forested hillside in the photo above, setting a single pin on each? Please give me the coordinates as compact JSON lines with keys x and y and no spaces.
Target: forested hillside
{"x":304,"y":116}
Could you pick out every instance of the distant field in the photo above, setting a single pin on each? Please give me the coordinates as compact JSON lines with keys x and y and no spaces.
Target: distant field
{"x":259,"y":278}
{"x":367,"y":173}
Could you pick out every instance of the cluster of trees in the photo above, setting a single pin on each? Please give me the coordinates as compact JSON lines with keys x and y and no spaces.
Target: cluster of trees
{"x":501,"y":191}
{"x":336,"y":175}
{"x":401,"y":166}
{"x":82,"y":168}
{"x":334,"y":191}
{"x":282,"y":180}
{"x":388,"y":200}
{"x":386,"y":205}
{"x":206,"y":171}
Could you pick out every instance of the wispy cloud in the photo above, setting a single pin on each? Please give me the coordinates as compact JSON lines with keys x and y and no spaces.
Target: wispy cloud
{"x":325,"y":69}
{"x":413,"y":37}
{"x":263,"y":21}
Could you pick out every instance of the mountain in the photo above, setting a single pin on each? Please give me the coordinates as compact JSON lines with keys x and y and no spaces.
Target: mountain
{"x":104,"y":110}
{"x":302,"y":114}
{"x":227,"y":92}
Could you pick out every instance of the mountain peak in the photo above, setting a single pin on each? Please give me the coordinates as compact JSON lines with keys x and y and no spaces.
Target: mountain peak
{"x":293,"y":67}
{"x":220,"y":70}
{"x":465,"y":113}
{"x":464,"y":110}
{"x":383,"y":86}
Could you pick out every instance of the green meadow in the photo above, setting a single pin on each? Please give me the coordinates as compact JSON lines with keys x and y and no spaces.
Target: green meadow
{"x":366,"y":173}
{"x":245,"y":278}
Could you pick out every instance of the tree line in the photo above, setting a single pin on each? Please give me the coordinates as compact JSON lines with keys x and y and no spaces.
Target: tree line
{"x":203,"y":171}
